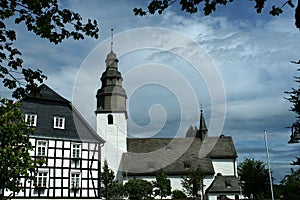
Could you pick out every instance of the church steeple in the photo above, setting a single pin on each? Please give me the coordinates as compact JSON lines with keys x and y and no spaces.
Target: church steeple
{"x":202,"y":132}
{"x":111,"y":97}
{"x":111,"y":114}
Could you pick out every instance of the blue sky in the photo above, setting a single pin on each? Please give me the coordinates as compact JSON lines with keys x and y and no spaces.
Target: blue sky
{"x":251,"y":53}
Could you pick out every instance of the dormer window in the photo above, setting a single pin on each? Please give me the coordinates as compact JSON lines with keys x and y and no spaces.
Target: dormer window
{"x":228,"y":184}
{"x":31,"y":119}
{"x":59,"y":122}
{"x":187,"y":166}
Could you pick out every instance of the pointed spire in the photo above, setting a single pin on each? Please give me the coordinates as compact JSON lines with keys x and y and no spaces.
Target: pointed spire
{"x":111,"y":59}
{"x":202,"y":126}
{"x":112,"y":39}
{"x":202,"y":132}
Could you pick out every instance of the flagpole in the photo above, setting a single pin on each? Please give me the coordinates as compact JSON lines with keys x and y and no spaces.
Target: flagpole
{"x":269,"y":166}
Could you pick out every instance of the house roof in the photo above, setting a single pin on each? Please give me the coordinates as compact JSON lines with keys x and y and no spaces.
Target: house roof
{"x":147,"y":155}
{"x":48,"y":104}
{"x":224,"y":184}
{"x":46,"y":93}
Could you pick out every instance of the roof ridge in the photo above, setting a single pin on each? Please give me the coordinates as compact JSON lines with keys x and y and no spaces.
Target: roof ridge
{"x":45,"y":92}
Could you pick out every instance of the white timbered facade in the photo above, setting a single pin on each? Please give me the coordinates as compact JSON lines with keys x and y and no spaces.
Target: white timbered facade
{"x":66,"y":150}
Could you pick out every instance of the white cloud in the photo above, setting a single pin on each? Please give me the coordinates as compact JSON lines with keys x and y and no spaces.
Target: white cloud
{"x":252,"y":57}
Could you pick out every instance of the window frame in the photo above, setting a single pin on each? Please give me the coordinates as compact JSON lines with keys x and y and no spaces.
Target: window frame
{"x":57,"y":124}
{"x":75,"y":177}
{"x":78,"y":150}
{"x":40,"y":147}
{"x":29,"y":121}
{"x":42,"y":179}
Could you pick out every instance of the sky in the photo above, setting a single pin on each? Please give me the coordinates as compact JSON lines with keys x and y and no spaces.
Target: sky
{"x":234,"y":64}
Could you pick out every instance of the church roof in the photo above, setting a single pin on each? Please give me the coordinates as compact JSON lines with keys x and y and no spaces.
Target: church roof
{"x":223,"y":148}
{"x":48,"y":104}
{"x":147,"y":155}
{"x":224,"y":184}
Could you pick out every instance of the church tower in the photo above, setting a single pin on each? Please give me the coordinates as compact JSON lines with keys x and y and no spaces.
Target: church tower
{"x":112,"y":115}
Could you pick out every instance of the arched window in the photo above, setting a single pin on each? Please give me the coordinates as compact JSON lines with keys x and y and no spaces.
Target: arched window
{"x":110,"y":119}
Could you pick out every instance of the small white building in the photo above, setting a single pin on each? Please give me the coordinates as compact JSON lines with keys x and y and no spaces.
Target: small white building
{"x":143,"y":157}
{"x":67,"y":144}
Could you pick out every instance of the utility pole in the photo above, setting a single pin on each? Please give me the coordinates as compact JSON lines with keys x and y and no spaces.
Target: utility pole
{"x":269,"y":167}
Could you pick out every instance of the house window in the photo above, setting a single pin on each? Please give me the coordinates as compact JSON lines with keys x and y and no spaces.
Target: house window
{"x":59,"y":122}
{"x":75,"y":180}
{"x":42,"y":179}
{"x":76,"y":150}
{"x":41,"y":148}
{"x":110,"y":119}
{"x":31,"y":119}
{"x":187,"y":166}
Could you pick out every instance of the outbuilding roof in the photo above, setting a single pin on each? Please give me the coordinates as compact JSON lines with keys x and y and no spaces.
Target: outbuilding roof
{"x":224,"y":184}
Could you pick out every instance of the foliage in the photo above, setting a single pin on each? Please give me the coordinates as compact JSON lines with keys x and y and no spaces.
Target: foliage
{"x":109,"y":187}
{"x":14,"y":147}
{"x":294,"y":98}
{"x":162,"y":185}
{"x":291,"y":185}
{"x":254,"y":177}
{"x":178,"y":194}
{"x":210,"y":6}
{"x":46,"y":20}
{"x":138,"y":189}
{"x":193,"y":182}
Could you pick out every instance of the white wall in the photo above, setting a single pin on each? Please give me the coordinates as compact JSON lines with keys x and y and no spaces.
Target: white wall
{"x":230,"y":196}
{"x":115,"y":137}
{"x":227,"y":167}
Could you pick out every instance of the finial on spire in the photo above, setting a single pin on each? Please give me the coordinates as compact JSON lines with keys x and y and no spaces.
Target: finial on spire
{"x":201,"y":108}
{"x":112,"y":39}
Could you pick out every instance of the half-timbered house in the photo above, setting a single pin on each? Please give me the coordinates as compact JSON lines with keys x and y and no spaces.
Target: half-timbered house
{"x":67,"y":145}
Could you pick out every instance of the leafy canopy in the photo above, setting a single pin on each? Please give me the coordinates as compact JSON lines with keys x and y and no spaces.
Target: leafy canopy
{"x":161,"y":185}
{"x":15,"y":161}
{"x":291,"y":185}
{"x":138,"y":189}
{"x":45,"y":19}
{"x":210,"y":6}
{"x":193,"y":182}
{"x":109,"y":187}
{"x":254,"y":178}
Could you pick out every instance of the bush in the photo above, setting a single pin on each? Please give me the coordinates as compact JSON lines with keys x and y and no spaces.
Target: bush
{"x":178,"y":194}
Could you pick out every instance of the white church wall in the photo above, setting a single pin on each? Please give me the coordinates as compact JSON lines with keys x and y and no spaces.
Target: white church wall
{"x":228,"y":195}
{"x":207,"y":181}
{"x":115,"y":136}
{"x":227,"y":167}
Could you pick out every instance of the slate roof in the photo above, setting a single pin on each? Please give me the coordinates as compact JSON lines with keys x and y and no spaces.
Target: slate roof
{"x":224,"y":148}
{"x":49,"y":104}
{"x":224,"y":184}
{"x":147,"y":155}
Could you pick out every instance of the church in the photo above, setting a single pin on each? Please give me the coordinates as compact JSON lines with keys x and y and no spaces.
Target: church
{"x":75,"y":153}
{"x":142,"y":158}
